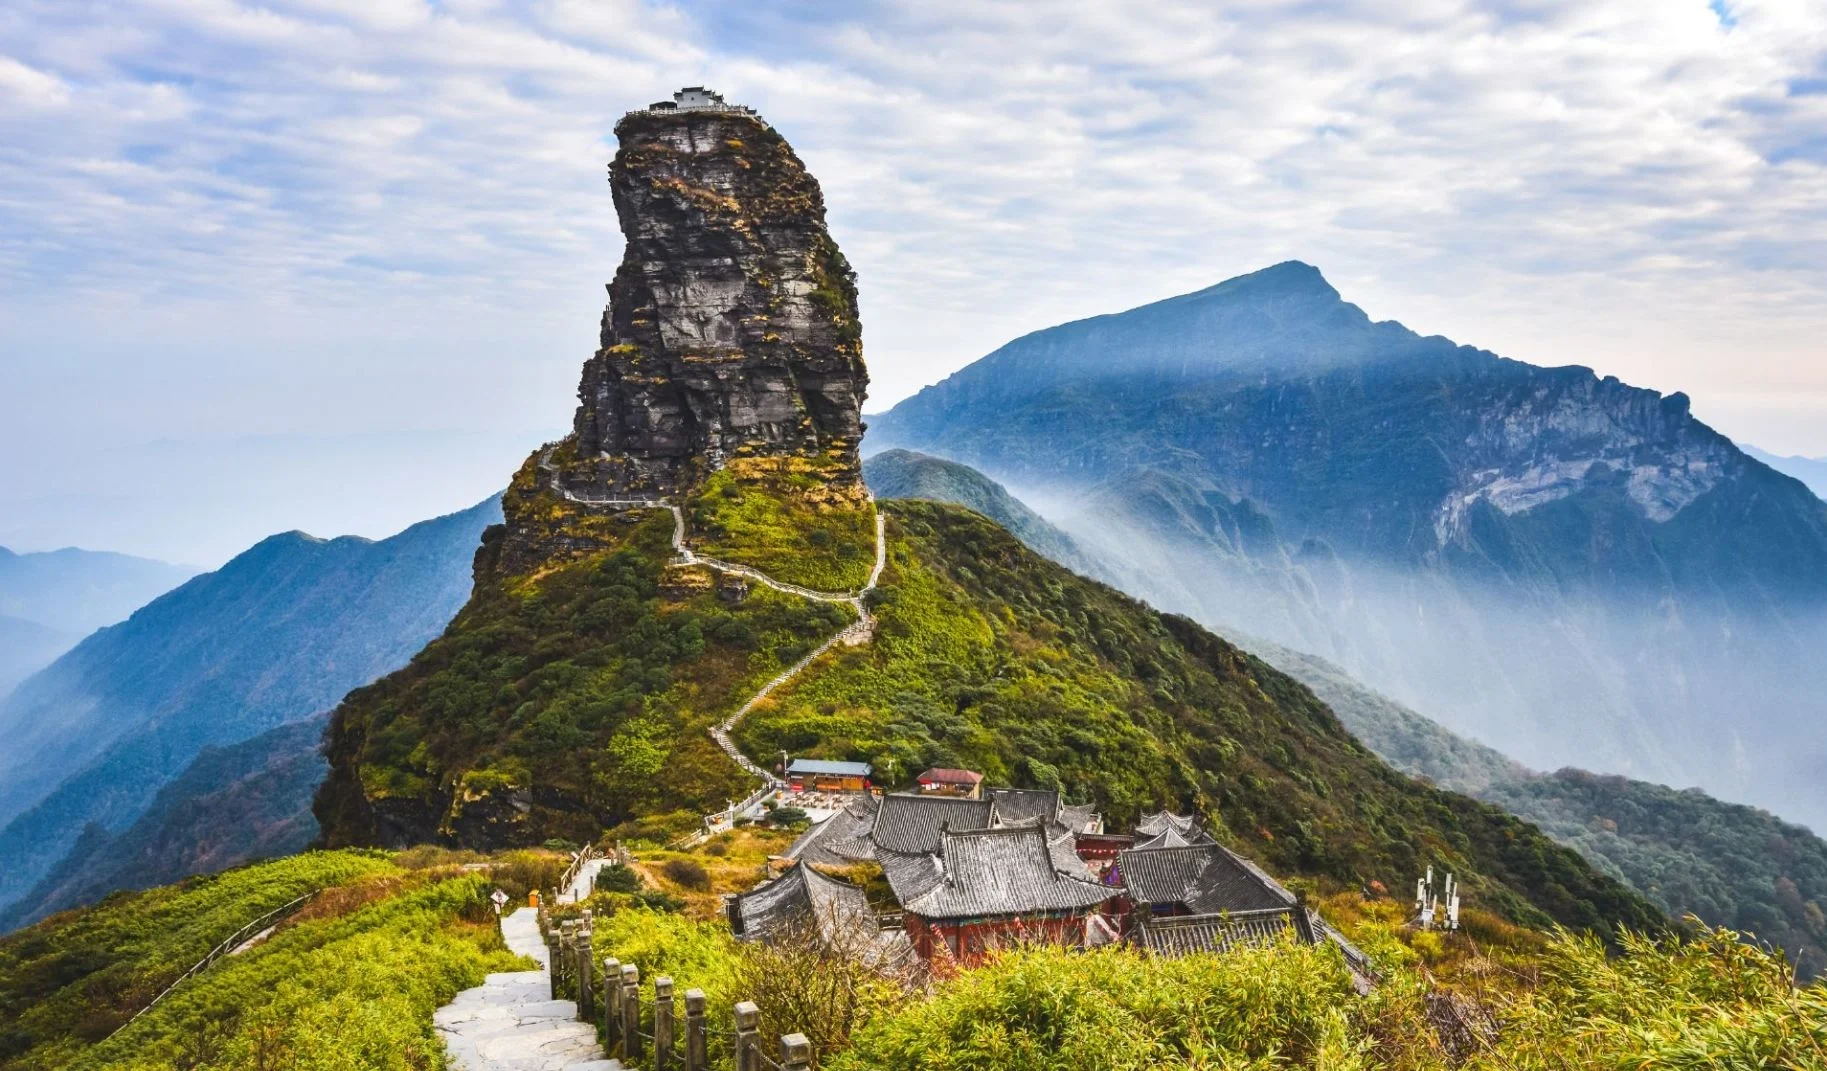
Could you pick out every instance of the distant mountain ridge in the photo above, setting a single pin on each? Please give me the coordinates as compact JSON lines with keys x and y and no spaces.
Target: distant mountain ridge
{"x":1810,"y":470}
{"x":49,"y":600}
{"x":280,"y":633}
{"x":78,"y":591}
{"x":906,"y":474}
{"x":249,"y":800}
{"x":1570,"y":567}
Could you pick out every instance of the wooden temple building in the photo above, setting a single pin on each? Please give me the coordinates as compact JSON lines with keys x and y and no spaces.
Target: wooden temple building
{"x":1016,"y":866}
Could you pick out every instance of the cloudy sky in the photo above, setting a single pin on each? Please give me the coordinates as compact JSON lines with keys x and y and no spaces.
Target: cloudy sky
{"x":333,"y":264}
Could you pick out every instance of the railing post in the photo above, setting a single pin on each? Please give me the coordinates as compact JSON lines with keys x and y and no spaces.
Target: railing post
{"x":631,"y":1011}
{"x":795,"y":1053}
{"x":567,"y":945}
{"x":748,"y":1036}
{"x":694,"y":1030}
{"x":663,"y":1010}
{"x":612,"y":1004}
{"x":586,"y":988}
{"x":553,"y":964}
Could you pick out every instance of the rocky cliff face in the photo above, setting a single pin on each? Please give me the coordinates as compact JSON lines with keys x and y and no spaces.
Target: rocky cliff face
{"x":732,"y":323}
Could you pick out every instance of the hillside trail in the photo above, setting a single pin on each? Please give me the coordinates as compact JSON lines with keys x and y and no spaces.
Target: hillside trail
{"x":858,"y":632}
{"x":511,"y":1023}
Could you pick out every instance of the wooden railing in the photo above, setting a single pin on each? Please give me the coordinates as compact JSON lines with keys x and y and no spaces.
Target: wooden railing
{"x":655,"y":1033}
{"x":584,"y":855}
{"x":229,"y":944}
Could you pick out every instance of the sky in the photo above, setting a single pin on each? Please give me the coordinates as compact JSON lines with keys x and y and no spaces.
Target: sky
{"x":335,"y":264}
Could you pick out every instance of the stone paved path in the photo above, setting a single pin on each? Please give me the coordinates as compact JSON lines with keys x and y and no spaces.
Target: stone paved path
{"x":510,"y":1022}
{"x":584,"y":883}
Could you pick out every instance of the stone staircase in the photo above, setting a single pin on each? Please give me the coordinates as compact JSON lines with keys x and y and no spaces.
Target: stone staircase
{"x":511,"y":1023}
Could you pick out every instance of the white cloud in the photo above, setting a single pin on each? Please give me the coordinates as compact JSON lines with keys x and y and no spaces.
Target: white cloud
{"x":30,"y":87}
{"x":417,"y":188}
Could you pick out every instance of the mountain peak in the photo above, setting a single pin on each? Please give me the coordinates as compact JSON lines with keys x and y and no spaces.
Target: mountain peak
{"x":1290,"y":277}
{"x":732,"y":327}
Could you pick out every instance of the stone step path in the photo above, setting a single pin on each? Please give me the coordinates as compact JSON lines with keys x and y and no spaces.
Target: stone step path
{"x":511,"y":1023}
{"x":584,"y":883}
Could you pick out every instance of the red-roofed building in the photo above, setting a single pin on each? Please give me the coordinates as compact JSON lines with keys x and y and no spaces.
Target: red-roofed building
{"x":941,"y":781}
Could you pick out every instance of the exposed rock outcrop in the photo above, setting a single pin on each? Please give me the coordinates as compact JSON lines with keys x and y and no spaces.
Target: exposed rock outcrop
{"x":732,"y":323}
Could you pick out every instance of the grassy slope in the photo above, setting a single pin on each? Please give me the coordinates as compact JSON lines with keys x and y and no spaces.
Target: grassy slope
{"x":584,"y":688}
{"x":349,"y":981}
{"x":991,"y":657}
{"x":770,"y":514}
{"x":75,"y":977}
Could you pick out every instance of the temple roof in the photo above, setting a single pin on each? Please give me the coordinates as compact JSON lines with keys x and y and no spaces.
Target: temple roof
{"x":1204,"y":878}
{"x":1019,"y":804}
{"x":1006,"y":871}
{"x":946,"y":775}
{"x":1078,"y":817}
{"x":1167,"y":838}
{"x":913,"y":824}
{"x":801,"y":897}
{"x":841,"y":839}
{"x":1160,"y":822}
{"x":829,"y":766}
{"x":805,"y":901}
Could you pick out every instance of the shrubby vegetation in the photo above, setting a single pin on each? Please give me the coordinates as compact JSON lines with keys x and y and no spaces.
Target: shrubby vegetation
{"x":1712,"y":1003}
{"x":778,"y":516}
{"x":989,"y":657}
{"x":75,"y":977}
{"x":349,"y":981}
{"x":352,"y":990}
{"x":585,"y":673}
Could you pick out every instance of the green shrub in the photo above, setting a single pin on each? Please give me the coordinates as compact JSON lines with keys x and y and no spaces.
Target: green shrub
{"x":1049,"y":1008}
{"x":686,"y":873}
{"x":617,"y":878}
{"x":786,"y":817}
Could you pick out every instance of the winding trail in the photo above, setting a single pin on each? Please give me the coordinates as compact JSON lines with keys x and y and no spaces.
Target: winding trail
{"x":854,"y":634}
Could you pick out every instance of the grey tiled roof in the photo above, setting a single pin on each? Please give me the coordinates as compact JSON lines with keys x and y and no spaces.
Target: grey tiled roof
{"x":841,"y":839}
{"x":1203,"y":878}
{"x":1020,"y":804}
{"x":913,"y":824}
{"x":1185,"y":934}
{"x":802,"y":897}
{"x":1167,"y":838}
{"x":805,"y":901}
{"x":1077,"y":817}
{"x":1007,"y":871}
{"x":1161,"y":821}
{"x":911,"y":874}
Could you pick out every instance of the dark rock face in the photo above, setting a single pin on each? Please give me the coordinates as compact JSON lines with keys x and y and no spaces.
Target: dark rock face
{"x":732,"y":323}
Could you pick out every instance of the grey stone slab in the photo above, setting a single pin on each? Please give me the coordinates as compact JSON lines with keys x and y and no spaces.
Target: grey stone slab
{"x":510,"y":1022}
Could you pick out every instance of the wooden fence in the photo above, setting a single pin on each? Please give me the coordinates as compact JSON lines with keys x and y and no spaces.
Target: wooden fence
{"x":229,"y":944}
{"x":663,"y":1033}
